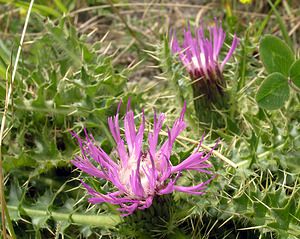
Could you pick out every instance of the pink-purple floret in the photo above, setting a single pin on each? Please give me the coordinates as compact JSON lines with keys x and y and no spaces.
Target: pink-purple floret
{"x":138,"y":175}
{"x":200,"y":54}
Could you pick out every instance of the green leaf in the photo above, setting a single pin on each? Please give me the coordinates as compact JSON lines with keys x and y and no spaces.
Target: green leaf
{"x":273,"y":92}
{"x":276,"y":55}
{"x":241,"y":203}
{"x":15,"y":199}
{"x":259,"y":212}
{"x":295,"y":73}
{"x":43,"y":203}
{"x":61,"y":6}
{"x":282,"y":217}
{"x":38,"y":8}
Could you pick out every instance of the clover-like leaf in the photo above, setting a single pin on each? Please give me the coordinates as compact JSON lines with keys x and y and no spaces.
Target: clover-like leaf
{"x":276,"y":55}
{"x":273,"y":92}
{"x":295,"y":73}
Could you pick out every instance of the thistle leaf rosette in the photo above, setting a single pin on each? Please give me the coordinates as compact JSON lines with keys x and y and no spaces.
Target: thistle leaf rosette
{"x":200,"y":56}
{"x":139,"y":175}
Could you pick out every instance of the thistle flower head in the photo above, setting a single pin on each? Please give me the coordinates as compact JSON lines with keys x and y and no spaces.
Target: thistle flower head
{"x":200,"y":54}
{"x":138,"y":175}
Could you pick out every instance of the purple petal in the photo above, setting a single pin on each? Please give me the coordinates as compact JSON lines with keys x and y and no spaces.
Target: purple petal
{"x":178,"y":126}
{"x":87,"y":167}
{"x":231,"y":50}
{"x":115,"y":130}
{"x":193,"y":189}
{"x":194,"y":160}
{"x":153,"y":137}
{"x":138,"y":142}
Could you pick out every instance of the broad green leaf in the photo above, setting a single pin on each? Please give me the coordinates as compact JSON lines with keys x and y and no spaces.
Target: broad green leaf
{"x":276,"y":55}
{"x":273,"y":92}
{"x":295,"y":73}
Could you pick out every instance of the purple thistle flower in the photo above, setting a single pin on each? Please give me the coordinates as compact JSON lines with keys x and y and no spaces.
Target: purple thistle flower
{"x":139,"y":175}
{"x":200,"y":54}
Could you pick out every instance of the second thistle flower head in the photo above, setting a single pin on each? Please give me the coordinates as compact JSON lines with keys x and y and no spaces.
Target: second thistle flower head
{"x":200,"y":54}
{"x":138,"y":175}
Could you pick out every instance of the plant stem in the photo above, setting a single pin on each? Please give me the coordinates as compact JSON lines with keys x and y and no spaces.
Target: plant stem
{"x":106,"y":220}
